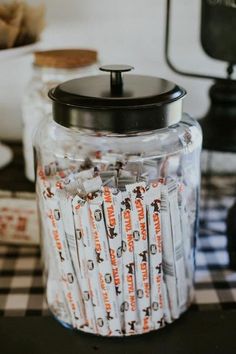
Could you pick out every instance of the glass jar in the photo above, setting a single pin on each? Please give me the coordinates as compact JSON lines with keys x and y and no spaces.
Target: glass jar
{"x":50,"y":68}
{"x":118,"y":186}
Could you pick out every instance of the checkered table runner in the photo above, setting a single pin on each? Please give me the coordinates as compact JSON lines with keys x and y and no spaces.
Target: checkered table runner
{"x":22,"y":293}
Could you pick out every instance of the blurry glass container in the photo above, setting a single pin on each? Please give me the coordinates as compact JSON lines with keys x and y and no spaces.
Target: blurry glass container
{"x":118,"y":178}
{"x":50,"y":68}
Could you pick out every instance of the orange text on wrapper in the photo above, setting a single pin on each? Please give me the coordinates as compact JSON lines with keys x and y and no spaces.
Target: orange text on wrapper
{"x":144,"y":270}
{"x":95,"y":233}
{"x":111,"y":216}
{"x":107,"y":195}
{"x":141,"y":218}
{"x":114,"y":267}
{"x":104,"y":293}
{"x":146,"y":324}
{"x":158,"y":281}
{"x":127,"y":218}
{"x":55,"y":232}
{"x":157,"y":227}
{"x":132,"y":299}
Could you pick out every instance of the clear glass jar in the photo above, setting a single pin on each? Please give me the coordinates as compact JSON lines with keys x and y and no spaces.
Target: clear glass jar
{"x":119,"y":215}
{"x":49,"y":69}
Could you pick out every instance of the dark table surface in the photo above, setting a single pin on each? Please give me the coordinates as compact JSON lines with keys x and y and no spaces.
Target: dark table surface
{"x":195,"y":332}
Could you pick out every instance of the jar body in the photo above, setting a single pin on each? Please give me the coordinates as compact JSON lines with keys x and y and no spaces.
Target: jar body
{"x":36,"y":104}
{"x":119,"y":216}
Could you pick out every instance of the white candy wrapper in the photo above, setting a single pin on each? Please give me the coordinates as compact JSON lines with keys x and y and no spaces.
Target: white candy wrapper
{"x":111,"y":206}
{"x":182,"y":288}
{"x":168,"y":261}
{"x":129,"y":305}
{"x":138,"y":216}
{"x":88,"y":262}
{"x":56,"y":231}
{"x":104,"y":265}
{"x":49,"y":166}
{"x":110,"y":159}
{"x":166,"y":309}
{"x":73,"y":293}
{"x":121,"y":249}
{"x":92,"y":185}
{"x":153,"y":203}
{"x":52,"y":168}
{"x":55,"y":296}
{"x":86,"y":174}
{"x":187,"y":242}
{"x":69,"y":183}
{"x":54,"y":289}
{"x":65,"y":201}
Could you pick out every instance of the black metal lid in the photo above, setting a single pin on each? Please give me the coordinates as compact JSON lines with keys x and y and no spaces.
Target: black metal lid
{"x":130,"y":103}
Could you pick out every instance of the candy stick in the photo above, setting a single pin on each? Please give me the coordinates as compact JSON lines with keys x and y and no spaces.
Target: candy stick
{"x":56,"y":231}
{"x":168,"y":261}
{"x":57,"y":302}
{"x":186,"y":236}
{"x":86,"y":174}
{"x":45,"y":241}
{"x":50,"y":168}
{"x":178,"y":249}
{"x":129,"y":305}
{"x":111,"y":206}
{"x":65,"y":201}
{"x":138,"y":217}
{"x":92,"y":185}
{"x":111,"y":182}
{"x":104,"y":265}
{"x":150,"y":167}
{"x":134,"y":167}
{"x":166,"y":308}
{"x":111,"y":159}
{"x":54,"y":283}
{"x":67,"y":272}
{"x":105,"y":175}
{"x":87,"y":256}
{"x":153,"y":201}
{"x":123,"y":181}
{"x":55,"y":296}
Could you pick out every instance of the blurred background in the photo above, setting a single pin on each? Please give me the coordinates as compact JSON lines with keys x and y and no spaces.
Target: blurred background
{"x":132,"y":33}
{"x":122,"y":31}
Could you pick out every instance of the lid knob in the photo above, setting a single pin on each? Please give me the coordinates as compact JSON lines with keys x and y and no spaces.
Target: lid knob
{"x":116,"y":81}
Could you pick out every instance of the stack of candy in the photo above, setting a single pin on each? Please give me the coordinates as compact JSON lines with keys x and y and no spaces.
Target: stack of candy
{"x":117,"y":247}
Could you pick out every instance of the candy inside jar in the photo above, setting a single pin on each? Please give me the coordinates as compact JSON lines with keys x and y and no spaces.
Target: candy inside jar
{"x":118,"y":204}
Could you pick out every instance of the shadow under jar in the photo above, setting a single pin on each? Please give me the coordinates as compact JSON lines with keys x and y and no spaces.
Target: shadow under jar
{"x":118,"y":191}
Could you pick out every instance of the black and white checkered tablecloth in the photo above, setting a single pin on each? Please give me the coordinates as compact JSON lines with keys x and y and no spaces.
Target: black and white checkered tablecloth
{"x":22,"y":293}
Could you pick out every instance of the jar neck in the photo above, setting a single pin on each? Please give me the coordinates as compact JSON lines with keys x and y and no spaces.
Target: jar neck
{"x":46,"y":74}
